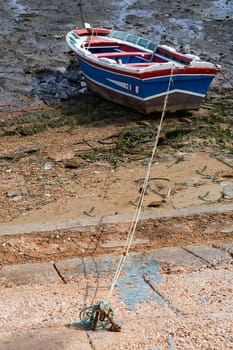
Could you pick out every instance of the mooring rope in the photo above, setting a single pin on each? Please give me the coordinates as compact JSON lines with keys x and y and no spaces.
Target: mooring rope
{"x":102,"y":314}
{"x":137,"y":214}
{"x":89,"y":315}
{"x":89,"y":39}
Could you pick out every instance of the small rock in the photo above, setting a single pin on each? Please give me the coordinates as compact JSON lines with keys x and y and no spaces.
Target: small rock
{"x":71,"y":164}
{"x":154,"y":204}
{"x":10,"y":194}
{"x":227,"y":189}
{"x":24,"y":194}
{"x":83,"y":84}
{"x":86,"y":195}
{"x":194,"y":182}
{"x":83,"y":90}
{"x":48,"y":165}
{"x":63,"y":96}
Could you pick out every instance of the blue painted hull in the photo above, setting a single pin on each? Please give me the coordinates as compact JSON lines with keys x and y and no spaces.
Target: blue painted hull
{"x":136,"y":72}
{"x":146,"y":94}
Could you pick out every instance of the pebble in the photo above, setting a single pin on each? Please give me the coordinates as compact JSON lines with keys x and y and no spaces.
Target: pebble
{"x":227,"y":189}
{"x":10,"y":194}
{"x":48,"y":165}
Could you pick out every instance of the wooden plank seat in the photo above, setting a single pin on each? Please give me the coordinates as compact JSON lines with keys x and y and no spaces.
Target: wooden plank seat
{"x":98,"y":42}
{"x":123,"y":54}
{"x":91,"y":31}
{"x":140,"y":65}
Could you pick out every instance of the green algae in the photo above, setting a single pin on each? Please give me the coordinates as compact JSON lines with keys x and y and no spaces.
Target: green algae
{"x":209,"y":128}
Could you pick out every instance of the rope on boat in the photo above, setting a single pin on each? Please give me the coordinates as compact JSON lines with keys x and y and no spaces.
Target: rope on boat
{"x":89,"y":39}
{"x":135,"y":220}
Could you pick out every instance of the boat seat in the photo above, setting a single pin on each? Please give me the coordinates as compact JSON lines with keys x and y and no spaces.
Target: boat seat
{"x":101,"y":43}
{"x":140,"y":65}
{"x":124,"y":54}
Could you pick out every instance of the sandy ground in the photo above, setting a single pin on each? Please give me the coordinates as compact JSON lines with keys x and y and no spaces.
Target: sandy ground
{"x":36,"y":318}
{"x":100,"y":190}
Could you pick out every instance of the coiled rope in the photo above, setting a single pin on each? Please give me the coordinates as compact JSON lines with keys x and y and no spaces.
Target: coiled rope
{"x":87,"y":314}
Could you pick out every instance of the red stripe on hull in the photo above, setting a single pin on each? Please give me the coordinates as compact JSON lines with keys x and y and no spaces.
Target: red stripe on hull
{"x":155,"y":73}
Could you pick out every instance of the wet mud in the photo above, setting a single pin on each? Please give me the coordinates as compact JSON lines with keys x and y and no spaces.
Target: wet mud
{"x":36,"y":66}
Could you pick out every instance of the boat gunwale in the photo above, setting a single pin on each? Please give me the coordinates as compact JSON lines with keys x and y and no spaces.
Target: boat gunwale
{"x":83,"y":51}
{"x":150,"y":72}
{"x":122,"y":38}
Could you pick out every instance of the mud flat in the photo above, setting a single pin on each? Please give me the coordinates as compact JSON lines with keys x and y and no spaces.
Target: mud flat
{"x":35,"y":56}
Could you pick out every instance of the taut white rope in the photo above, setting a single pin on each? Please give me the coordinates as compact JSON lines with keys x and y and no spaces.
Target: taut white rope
{"x":135,"y":220}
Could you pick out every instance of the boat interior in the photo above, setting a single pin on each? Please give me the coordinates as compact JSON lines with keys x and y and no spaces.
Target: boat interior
{"x":123,"y":54}
{"x":125,"y":48}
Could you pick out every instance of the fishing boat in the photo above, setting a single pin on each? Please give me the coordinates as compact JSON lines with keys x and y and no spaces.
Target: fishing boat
{"x":138,"y":73}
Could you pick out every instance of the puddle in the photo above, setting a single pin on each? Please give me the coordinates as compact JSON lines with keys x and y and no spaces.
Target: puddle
{"x":125,"y":11}
{"x":193,"y":28}
{"x":11,"y":12}
{"x":17,"y":8}
{"x":221,"y":10}
{"x":45,"y":48}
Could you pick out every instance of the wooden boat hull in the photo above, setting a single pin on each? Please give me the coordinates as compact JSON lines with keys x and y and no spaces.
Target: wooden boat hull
{"x":146,"y":94}
{"x":176,"y":100}
{"x":122,"y":68}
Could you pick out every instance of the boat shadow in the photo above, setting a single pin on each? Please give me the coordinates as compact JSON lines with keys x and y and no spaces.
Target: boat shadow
{"x":90,"y":109}
{"x":80,"y":106}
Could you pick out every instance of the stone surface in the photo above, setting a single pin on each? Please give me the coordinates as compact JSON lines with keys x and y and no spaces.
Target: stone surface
{"x":228,"y":247}
{"x":164,"y":260}
{"x":37,"y":318}
{"x":212,"y":256}
{"x":28,"y":274}
{"x":81,"y":267}
{"x":15,"y":228}
{"x":177,"y":259}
